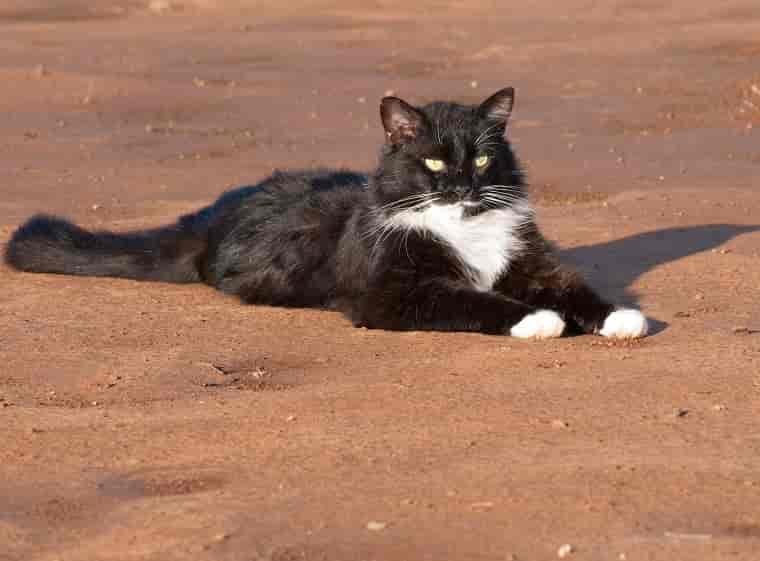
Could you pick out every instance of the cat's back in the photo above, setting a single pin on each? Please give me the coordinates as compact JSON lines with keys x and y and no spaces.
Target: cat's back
{"x":289,"y":217}
{"x":284,"y":190}
{"x":281,"y":196}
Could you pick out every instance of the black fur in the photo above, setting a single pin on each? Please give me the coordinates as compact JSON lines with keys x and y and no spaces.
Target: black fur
{"x":316,"y":238}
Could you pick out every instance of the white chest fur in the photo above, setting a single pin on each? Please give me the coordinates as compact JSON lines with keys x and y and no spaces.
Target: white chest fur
{"x":484,"y":243}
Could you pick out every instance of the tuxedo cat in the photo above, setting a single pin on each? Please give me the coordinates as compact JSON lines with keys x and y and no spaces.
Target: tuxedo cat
{"x":440,"y":236}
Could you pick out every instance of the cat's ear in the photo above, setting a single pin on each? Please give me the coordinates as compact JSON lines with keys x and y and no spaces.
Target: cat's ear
{"x":498,"y":107}
{"x":401,"y":121}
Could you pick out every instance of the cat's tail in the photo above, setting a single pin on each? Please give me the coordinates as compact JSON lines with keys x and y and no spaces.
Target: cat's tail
{"x":47,"y":244}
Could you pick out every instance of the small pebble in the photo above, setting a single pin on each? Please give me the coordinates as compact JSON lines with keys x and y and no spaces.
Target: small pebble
{"x":719,"y":407}
{"x":482,"y":505}
{"x":375,"y":526}
{"x":559,"y":424}
{"x":290,"y":418}
{"x":159,"y":6}
{"x":684,"y":536}
{"x":565,"y":550}
{"x":474,"y":84}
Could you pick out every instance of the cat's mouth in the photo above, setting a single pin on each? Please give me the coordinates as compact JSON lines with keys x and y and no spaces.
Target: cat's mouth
{"x":469,"y":203}
{"x":467,"y":207}
{"x":458,"y":202}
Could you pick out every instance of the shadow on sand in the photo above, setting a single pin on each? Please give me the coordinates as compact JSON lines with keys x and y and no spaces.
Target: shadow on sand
{"x":612,"y":267}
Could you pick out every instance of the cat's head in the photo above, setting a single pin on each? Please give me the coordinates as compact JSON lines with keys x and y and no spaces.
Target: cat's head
{"x":448,"y":153}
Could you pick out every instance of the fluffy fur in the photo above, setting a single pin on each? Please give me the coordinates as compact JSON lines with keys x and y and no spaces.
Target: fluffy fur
{"x":485,"y":243}
{"x":440,"y":236}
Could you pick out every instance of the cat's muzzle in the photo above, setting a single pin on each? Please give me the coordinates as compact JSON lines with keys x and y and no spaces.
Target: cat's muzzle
{"x":459,"y":194}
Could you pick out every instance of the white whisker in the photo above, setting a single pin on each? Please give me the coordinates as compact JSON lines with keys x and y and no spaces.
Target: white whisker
{"x":487,"y":133}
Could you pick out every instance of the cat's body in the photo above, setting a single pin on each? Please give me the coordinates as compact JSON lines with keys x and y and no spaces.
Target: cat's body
{"x":440,"y":236}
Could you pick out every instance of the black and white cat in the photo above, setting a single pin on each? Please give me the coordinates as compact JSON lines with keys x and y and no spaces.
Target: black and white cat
{"x":439,"y":237}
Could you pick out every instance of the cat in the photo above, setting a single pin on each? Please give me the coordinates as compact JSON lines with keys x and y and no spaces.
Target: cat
{"x":441,"y":236}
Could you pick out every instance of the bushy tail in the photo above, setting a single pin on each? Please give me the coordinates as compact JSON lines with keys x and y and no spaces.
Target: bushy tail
{"x":47,"y":244}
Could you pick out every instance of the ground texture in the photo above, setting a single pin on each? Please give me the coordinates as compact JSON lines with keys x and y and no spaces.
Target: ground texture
{"x":161,"y":422}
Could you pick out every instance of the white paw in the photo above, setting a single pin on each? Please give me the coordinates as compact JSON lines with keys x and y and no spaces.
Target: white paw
{"x":543,"y":324}
{"x":625,"y":324}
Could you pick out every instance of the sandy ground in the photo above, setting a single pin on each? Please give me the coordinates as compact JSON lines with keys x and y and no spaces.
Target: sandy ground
{"x":161,"y":422}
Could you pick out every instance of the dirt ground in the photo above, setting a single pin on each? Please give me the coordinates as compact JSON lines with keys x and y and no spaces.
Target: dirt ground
{"x":163,"y":422}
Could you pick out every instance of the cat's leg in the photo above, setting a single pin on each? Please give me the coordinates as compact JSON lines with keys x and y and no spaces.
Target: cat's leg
{"x":448,"y":305}
{"x":538,"y":279}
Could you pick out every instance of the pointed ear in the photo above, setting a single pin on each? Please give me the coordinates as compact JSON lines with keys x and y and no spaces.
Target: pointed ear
{"x":401,"y":121}
{"x":498,"y":107}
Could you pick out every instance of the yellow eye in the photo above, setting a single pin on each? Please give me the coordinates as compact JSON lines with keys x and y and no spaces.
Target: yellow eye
{"x":481,"y":161}
{"x":434,"y":165}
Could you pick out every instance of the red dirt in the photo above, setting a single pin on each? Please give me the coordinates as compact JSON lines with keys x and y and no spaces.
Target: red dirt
{"x":161,"y":422}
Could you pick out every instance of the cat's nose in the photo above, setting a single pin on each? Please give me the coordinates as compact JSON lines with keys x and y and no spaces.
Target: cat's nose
{"x":461,"y":190}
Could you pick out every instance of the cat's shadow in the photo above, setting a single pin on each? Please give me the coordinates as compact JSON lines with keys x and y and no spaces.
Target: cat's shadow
{"x":612,"y":267}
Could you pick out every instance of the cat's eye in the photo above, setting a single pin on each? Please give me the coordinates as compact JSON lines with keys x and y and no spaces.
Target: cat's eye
{"x":434,"y":165}
{"x":482,"y":161}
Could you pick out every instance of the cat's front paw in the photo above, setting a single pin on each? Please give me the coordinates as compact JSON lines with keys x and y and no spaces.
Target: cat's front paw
{"x":625,"y":324}
{"x":543,"y":324}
